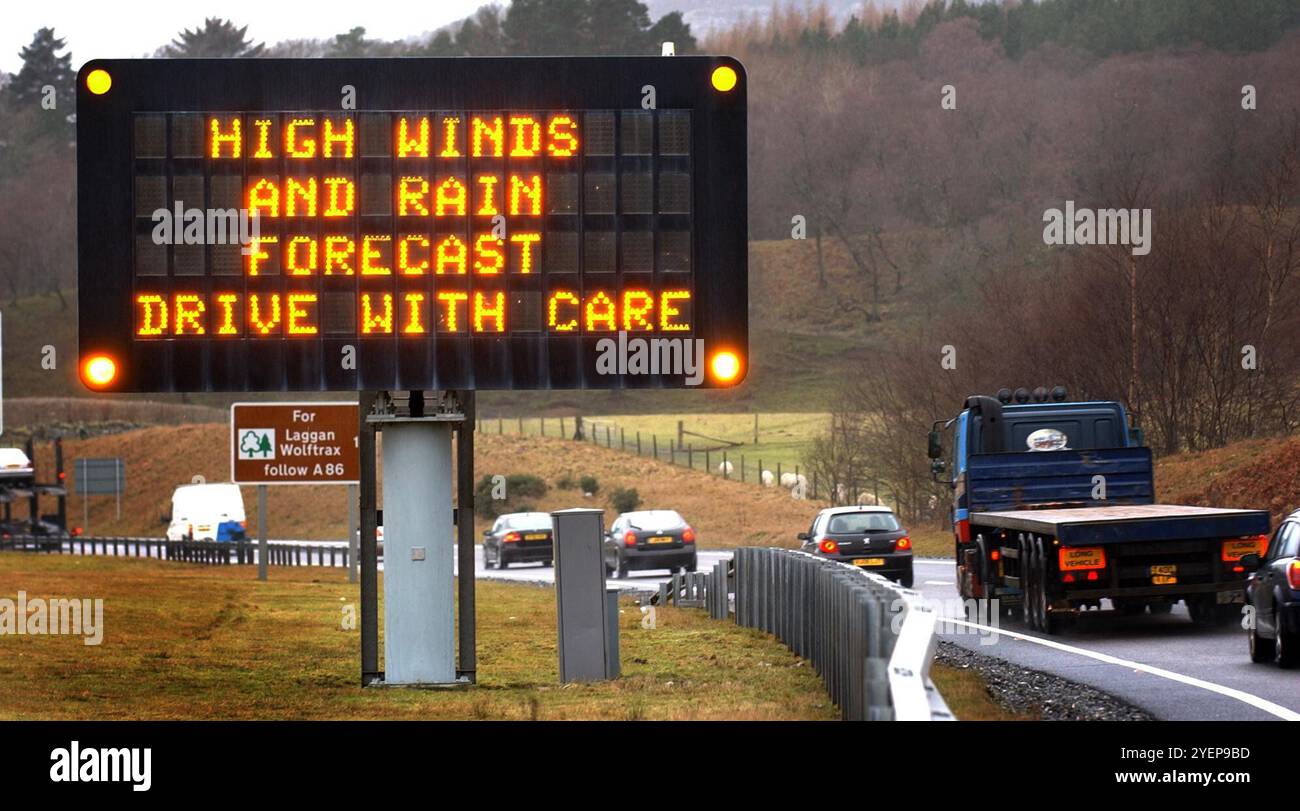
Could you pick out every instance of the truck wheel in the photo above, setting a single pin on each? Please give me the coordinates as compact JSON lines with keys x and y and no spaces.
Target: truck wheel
{"x":1048,"y":622}
{"x":1261,"y":649}
{"x":1206,"y":612}
{"x":1032,"y":602}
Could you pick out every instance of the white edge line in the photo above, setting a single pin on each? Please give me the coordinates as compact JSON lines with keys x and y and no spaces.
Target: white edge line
{"x":1240,"y":695}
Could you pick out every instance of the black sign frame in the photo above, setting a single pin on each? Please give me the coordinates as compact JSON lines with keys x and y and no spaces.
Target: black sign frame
{"x":719,"y":250}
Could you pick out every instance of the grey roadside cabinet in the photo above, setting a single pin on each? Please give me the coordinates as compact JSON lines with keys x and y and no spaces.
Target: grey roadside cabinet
{"x":587,"y":629}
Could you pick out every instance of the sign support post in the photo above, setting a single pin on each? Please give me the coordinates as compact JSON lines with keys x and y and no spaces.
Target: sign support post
{"x":353,"y":531}
{"x":466,"y":580}
{"x":370,"y":672}
{"x":262,"y":548}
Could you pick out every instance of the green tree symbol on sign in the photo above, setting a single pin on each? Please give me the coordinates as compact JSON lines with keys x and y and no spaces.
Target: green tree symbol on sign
{"x":254,"y":444}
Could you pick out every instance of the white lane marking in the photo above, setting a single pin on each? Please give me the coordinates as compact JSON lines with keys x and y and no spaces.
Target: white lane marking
{"x":936,"y":582}
{"x":1240,"y":695}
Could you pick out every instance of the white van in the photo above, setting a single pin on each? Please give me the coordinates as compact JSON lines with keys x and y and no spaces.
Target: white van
{"x":207,"y":512}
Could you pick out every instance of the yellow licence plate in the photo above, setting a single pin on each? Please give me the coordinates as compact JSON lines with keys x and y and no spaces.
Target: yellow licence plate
{"x":535,"y":536}
{"x":1164,"y":575}
{"x":868,"y":561}
{"x":661,"y":539}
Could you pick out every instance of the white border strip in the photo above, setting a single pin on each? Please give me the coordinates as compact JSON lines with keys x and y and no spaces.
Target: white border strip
{"x":912,"y":693}
{"x":1240,"y":695}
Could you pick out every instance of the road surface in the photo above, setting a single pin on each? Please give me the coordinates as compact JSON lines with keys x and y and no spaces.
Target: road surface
{"x":1163,"y":664}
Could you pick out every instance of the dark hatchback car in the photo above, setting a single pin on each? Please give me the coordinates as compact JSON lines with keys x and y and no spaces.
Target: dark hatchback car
{"x":1273,"y":590}
{"x":519,"y":538}
{"x":649,"y":539}
{"x":868,"y":537}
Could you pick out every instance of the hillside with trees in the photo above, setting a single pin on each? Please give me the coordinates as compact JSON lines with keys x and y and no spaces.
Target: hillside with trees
{"x":917,"y":151}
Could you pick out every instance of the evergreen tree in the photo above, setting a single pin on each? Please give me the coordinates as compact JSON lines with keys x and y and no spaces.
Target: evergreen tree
{"x":217,"y":38}
{"x":542,"y":27}
{"x":43,"y":66}
{"x":25,"y":106}
{"x":353,"y":43}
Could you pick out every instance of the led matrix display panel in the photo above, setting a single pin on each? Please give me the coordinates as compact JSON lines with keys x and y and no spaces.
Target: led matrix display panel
{"x":467,"y":223}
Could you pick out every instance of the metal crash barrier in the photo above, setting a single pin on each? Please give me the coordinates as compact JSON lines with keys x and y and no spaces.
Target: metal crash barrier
{"x":869,"y":639}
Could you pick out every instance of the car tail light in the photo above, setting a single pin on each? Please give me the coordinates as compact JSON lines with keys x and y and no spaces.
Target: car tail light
{"x":629,"y":539}
{"x":1293,"y":574}
{"x":1092,"y":575}
{"x":76,"y":530}
{"x":1067,"y":577}
{"x":995,"y":555}
{"x":688,"y":535}
{"x":511,"y":537}
{"x":243,"y":525}
{"x":904,"y":543}
{"x":828,"y":546}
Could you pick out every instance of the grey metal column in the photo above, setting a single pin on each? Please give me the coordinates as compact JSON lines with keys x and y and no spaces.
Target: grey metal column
{"x":465,"y":582}
{"x":613,"y":668}
{"x":582,"y":611}
{"x":353,"y":533}
{"x":262,"y":549}
{"x":369,"y":553}
{"x":418,"y":603}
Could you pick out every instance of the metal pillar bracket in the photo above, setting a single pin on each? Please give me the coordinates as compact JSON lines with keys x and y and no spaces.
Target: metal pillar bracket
{"x":392,"y":409}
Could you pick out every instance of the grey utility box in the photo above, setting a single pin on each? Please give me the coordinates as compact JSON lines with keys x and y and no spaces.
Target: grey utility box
{"x":588,"y":644}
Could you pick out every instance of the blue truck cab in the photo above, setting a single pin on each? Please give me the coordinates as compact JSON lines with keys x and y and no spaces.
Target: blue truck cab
{"x":1054,"y":511}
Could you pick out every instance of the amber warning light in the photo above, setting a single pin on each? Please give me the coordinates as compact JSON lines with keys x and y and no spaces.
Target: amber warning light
{"x":428,"y":240}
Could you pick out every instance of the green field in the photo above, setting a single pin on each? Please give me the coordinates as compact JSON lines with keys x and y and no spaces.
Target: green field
{"x":783,"y":437}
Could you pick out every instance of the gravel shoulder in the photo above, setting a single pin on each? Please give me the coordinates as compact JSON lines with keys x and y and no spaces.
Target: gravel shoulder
{"x":1052,"y":698}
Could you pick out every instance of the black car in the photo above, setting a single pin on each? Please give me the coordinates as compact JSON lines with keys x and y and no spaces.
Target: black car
{"x":519,"y":538}
{"x":649,"y":539}
{"x":866,"y":536}
{"x":1273,"y":590}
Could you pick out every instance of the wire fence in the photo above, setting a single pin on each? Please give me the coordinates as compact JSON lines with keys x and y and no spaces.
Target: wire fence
{"x":716,"y":458}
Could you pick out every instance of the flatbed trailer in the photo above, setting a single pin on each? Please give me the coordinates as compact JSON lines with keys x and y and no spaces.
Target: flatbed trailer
{"x":1054,"y":513}
{"x":1129,"y":522}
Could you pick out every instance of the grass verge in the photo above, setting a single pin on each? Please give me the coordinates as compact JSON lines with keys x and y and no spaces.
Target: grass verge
{"x":194,"y":642}
{"x":968,"y":696}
